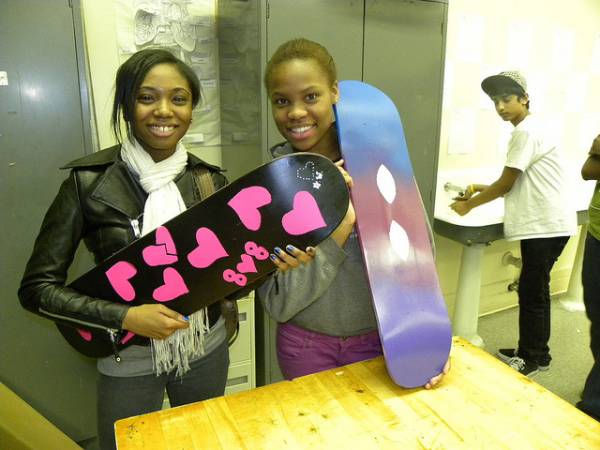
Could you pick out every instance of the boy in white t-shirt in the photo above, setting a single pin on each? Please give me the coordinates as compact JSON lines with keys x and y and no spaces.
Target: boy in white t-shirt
{"x":537,"y":212}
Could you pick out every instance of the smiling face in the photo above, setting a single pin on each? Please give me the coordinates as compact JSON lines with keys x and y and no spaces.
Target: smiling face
{"x":302,"y":99}
{"x":163,"y":111}
{"x":511,"y":107}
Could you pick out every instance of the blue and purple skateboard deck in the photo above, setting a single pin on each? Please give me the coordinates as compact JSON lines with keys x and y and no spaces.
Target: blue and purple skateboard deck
{"x":217,"y":246}
{"x":412,"y":318}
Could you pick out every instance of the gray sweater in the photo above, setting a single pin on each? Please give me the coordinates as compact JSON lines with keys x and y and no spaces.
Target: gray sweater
{"x":329,"y":295}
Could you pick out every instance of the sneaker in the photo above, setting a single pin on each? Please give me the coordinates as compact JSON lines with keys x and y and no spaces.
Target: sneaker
{"x":506,"y":354}
{"x":544,"y":367}
{"x":524,"y":367}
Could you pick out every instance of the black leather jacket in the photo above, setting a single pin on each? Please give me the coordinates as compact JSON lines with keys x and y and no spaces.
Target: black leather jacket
{"x":102,"y":203}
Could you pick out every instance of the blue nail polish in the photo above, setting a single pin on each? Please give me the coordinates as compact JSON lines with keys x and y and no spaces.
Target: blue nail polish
{"x":278,"y":250}
{"x":186,"y":318}
{"x":290,"y":248}
{"x":273,"y":257}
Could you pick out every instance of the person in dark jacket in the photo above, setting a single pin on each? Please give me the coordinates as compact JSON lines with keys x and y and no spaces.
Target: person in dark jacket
{"x":111,"y":198}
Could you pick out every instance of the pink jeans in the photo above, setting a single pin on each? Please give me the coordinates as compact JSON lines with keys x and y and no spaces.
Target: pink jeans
{"x":301,"y":352}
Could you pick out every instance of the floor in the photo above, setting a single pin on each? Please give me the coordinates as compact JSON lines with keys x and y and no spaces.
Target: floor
{"x":569,"y":346}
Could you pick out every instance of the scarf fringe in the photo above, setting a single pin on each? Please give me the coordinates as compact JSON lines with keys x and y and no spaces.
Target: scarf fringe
{"x":176,"y":351}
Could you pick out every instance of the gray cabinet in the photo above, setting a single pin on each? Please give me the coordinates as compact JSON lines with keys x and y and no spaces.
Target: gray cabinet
{"x":42,"y":126}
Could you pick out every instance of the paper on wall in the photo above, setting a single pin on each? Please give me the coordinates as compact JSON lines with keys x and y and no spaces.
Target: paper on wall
{"x":576,"y":92}
{"x":562,"y":51}
{"x":520,"y":38}
{"x":469,"y":45}
{"x":461,"y":137}
{"x":595,"y":59}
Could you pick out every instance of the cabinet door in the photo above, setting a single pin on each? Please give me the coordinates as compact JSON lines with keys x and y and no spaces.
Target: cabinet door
{"x":338,"y":25}
{"x":404,"y":57}
{"x":41,"y":128}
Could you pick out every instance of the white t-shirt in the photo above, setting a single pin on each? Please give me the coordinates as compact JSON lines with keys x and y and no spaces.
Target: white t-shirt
{"x":538,"y":205}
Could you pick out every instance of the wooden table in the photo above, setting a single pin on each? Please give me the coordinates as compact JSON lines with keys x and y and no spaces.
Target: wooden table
{"x":481,"y":404}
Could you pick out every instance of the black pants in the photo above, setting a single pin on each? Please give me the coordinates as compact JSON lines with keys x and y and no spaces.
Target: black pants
{"x":590,"y":275}
{"x":120,"y":397}
{"x":538,"y":257}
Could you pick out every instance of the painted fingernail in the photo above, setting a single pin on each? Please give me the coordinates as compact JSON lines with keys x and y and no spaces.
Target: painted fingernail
{"x":186,"y":318}
{"x":273,"y":257}
{"x":290,"y":248}
{"x":278,"y":250}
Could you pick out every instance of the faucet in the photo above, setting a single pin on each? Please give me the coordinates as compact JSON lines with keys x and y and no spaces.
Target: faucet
{"x":453,"y":187}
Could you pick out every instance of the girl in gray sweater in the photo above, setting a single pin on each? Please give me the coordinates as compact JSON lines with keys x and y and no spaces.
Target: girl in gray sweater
{"x":319,"y":296}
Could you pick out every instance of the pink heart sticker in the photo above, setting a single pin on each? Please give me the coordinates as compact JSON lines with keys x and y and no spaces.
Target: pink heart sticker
{"x":174,"y":286}
{"x":127,"y":337}
{"x":208,"y":251}
{"x":85,"y":334}
{"x":118,"y":276}
{"x":246,"y":203}
{"x":304,"y":217}
{"x":247,"y":264}
{"x":164,"y":252}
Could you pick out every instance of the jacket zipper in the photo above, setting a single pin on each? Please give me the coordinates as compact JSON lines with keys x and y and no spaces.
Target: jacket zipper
{"x":113,"y":333}
{"x":135,"y":224}
{"x":114,"y":337}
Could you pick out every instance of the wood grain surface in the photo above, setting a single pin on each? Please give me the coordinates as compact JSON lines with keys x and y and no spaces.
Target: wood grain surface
{"x":481,"y":404}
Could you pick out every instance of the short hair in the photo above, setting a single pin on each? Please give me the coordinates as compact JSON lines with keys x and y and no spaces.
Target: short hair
{"x":130,"y":76}
{"x":304,"y":49}
{"x":519,"y":92}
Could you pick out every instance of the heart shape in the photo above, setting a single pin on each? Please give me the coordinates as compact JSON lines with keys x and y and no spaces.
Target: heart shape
{"x":307,"y":172}
{"x":305,"y":215}
{"x":127,"y":337}
{"x":164,"y":252}
{"x":247,"y":264}
{"x":118,"y":276}
{"x":85,"y":334}
{"x":173,"y":286}
{"x":246,"y":203}
{"x":208,"y":251}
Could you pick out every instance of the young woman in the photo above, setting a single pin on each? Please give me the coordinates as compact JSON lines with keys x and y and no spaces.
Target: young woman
{"x":323,"y":306}
{"x":111,"y":198}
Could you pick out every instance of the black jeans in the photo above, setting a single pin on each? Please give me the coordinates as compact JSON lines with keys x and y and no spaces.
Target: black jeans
{"x":590,"y":275}
{"x":120,"y":397}
{"x":538,"y":257}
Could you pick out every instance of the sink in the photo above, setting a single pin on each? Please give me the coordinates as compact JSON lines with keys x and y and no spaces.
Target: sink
{"x":483,"y":224}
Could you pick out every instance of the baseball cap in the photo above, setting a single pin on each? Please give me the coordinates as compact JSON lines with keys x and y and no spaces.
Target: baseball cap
{"x":509,"y":79}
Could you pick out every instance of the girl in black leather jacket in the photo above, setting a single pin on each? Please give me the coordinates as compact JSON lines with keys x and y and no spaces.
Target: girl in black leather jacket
{"x":111,"y":198}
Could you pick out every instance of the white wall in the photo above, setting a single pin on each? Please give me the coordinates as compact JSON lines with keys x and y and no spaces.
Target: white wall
{"x":556,"y":44}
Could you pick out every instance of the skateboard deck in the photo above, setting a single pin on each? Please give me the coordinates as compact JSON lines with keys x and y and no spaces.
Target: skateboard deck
{"x":413,"y":322}
{"x":217,"y":246}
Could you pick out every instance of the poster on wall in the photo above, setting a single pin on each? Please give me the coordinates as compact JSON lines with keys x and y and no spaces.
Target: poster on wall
{"x":188,"y":29}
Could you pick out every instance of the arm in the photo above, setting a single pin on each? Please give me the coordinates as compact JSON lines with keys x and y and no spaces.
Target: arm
{"x":497,"y":189}
{"x":43,"y":289}
{"x":591,"y":167}
{"x":288,"y":292}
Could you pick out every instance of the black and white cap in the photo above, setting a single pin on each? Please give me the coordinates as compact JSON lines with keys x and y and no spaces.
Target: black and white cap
{"x":507,"y":79}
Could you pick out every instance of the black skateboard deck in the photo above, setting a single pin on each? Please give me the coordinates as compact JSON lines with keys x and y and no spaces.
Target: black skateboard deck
{"x":413,"y":322}
{"x":217,"y":246}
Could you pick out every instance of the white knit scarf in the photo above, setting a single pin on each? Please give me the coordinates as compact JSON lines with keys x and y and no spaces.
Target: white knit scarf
{"x":163,"y":203}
